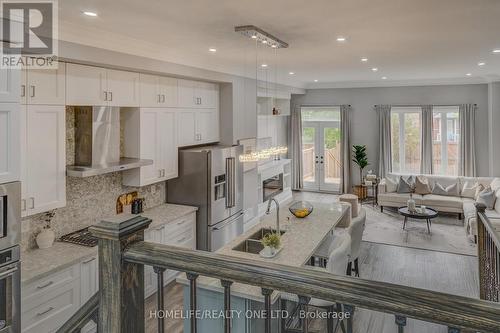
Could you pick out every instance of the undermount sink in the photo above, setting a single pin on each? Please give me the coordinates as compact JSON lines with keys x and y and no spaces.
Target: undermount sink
{"x":252,"y":243}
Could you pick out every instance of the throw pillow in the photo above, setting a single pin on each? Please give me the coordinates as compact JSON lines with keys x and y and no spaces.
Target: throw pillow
{"x":471,"y":190}
{"x":422,"y":185}
{"x":391,"y":185}
{"x":487,"y":197}
{"x":451,"y":190}
{"x":405,"y":186}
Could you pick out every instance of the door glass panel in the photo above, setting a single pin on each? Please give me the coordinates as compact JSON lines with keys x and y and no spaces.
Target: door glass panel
{"x":308,"y":154}
{"x":331,"y":156}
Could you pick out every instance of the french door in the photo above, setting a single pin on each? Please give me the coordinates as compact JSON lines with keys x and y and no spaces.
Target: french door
{"x":321,"y":155}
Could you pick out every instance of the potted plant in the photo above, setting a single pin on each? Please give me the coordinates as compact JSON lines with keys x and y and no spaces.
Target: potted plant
{"x":46,"y":237}
{"x":360,"y":159}
{"x":271,"y":243}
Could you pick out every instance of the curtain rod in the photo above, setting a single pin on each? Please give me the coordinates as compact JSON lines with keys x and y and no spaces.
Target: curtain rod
{"x":322,"y":105}
{"x":414,"y":105}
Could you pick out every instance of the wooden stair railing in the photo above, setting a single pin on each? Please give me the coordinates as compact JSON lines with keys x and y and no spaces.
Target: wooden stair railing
{"x":123,"y":254}
{"x":488,"y":251}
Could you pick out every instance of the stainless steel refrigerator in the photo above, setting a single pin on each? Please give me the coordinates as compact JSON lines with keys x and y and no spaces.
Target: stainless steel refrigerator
{"x":211,"y":178}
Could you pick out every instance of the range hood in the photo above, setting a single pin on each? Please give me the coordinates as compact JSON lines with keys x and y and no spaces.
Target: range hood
{"x":97,"y":143}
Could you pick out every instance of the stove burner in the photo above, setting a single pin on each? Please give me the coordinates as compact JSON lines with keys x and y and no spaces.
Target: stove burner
{"x":80,"y":237}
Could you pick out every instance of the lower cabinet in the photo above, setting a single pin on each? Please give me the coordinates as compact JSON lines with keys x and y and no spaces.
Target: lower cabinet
{"x":182,"y":233}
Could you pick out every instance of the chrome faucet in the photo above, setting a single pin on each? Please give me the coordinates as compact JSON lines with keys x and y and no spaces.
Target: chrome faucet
{"x":268,"y":211}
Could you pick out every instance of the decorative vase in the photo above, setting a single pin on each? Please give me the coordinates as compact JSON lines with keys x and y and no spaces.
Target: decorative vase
{"x":268,"y":251}
{"x":45,"y":239}
{"x":411,"y":204}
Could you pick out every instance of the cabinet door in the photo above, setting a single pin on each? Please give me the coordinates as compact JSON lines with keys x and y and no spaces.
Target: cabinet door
{"x":186,"y":127}
{"x":150,"y":95}
{"x":9,"y":142}
{"x":168,"y":133}
{"x":89,"y":279}
{"x":85,"y":85}
{"x":207,"y":125}
{"x":150,"y":145}
{"x":187,"y":94}
{"x":10,"y":85}
{"x":46,"y":86}
{"x":123,"y":88}
{"x":207,"y":94}
{"x":168,"y":91}
{"x":45,"y":158}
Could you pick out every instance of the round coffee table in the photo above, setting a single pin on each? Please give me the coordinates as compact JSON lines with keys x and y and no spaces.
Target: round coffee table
{"x":428,"y":215}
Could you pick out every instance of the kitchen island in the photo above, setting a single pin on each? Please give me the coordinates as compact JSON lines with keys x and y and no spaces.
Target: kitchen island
{"x":300,"y":240}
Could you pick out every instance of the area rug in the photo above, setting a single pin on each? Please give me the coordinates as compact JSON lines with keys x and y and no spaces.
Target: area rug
{"x":447,"y":232}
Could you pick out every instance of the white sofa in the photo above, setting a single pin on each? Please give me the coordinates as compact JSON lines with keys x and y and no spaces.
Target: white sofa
{"x":464,"y":207}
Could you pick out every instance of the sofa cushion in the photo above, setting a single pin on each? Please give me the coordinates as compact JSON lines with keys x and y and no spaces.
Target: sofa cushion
{"x":391,"y":185}
{"x":471,"y":189}
{"x":487,"y":197}
{"x":485,"y":181}
{"x":422,"y":185}
{"x":398,"y":199}
{"x":450,"y":190}
{"x":405,"y":185}
{"x":443,"y":201}
{"x":495,"y":184}
{"x":445,"y":181}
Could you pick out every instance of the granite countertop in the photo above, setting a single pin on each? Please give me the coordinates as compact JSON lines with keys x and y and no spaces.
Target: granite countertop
{"x":301,"y":239}
{"x":38,"y":263}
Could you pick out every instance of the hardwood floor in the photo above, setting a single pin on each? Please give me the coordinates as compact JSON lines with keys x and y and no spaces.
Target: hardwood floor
{"x":439,"y":271}
{"x":173,"y":299}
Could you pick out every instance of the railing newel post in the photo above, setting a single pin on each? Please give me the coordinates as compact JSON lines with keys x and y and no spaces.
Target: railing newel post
{"x":304,"y":304}
{"x":401,"y":322}
{"x":160,"y":297}
{"x":227,"y":305}
{"x":267,"y":306}
{"x":192,"y":300}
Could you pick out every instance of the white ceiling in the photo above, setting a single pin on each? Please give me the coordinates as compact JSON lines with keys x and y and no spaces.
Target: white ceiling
{"x":409,"y":41}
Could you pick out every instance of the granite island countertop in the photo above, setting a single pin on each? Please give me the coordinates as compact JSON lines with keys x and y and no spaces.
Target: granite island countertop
{"x":39,"y":263}
{"x":301,"y":239}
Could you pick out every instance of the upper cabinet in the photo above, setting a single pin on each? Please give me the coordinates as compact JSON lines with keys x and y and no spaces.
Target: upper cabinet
{"x":197,"y":127}
{"x":158,"y":91}
{"x":193,"y":94}
{"x":9,"y":142}
{"x":44,"y":86}
{"x":88,"y":85}
{"x":9,"y":85}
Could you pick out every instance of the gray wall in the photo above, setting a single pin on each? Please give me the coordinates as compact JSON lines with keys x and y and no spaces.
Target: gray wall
{"x":494,"y":123}
{"x":365,"y":122}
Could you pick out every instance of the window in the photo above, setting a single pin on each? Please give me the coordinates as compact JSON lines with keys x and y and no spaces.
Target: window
{"x":445,"y":140}
{"x":406,"y":139}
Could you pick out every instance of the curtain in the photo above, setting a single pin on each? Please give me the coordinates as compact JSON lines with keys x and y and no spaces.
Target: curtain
{"x":384,"y":122}
{"x":296,"y":148}
{"x":467,"y":164}
{"x":426,"y":143}
{"x":345,"y":148}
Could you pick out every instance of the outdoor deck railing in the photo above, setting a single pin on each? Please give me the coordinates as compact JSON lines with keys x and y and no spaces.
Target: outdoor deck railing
{"x":123,"y":254}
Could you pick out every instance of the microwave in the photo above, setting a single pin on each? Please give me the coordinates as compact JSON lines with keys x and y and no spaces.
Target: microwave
{"x":10,"y":215}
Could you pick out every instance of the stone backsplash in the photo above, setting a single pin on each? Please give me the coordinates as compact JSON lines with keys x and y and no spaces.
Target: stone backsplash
{"x":87,"y":199}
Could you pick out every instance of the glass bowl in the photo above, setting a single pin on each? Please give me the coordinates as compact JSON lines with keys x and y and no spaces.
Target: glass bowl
{"x":301,"y":209}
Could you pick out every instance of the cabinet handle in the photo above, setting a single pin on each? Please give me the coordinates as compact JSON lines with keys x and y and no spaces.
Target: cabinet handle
{"x":159,"y":98}
{"x":110,"y":96}
{"x":32,"y":91}
{"x":89,"y":260}
{"x":23,"y":205}
{"x":163,"y":98}
{"x":163,"y":172}
{"x":181,"y":222}
{"x":105,"y":95}
{"x":160,"y":228}
{"x":181,"y":240}
{"x":32,"y":203}
{"x":23,"y":90}
{"x":44,"y":312}
{"x":45,"y":285}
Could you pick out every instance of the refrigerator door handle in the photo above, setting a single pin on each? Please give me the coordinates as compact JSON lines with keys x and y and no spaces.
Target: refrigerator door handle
{"x":222,"y":225}
{"x":230,"y":184}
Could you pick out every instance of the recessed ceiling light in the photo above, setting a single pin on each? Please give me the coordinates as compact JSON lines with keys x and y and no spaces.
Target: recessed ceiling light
{"x":274,"y":46}
{"x":263,"y":65}
{"x":264,"y":42}
{"x":341,"y":39}
{"x":254,"y":37}
{"x":468,"y":74}
{"x":374,"y":69}
{"x":291,"y":73}
{"x":212,"y":49}
{"x":364,"y":59}
{"x":496,"y":51}
{"x":481,"y":63}
{"x":315,"y":80}
{"x":384,"y":77}
{"x":92,"y":14}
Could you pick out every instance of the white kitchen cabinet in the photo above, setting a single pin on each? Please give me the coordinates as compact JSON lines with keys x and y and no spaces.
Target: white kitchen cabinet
{"x":193,"y":94}
{"x":10,"y":85}
{"x":10,"y":145}
{"x":89,"y":85}
{"x":123,"y":88}
{"x":89,"y":285}
{"x":186,"y":126}
{"x":158,"y":91}
{"x":197,"y":126}
{"x":150,"y":133}
{"x":43,"y":153}
{"x":44,"y":86}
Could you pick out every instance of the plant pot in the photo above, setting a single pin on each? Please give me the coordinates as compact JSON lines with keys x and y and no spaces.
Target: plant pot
{"x":45,"y":239}
{"x":268,"y":251}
